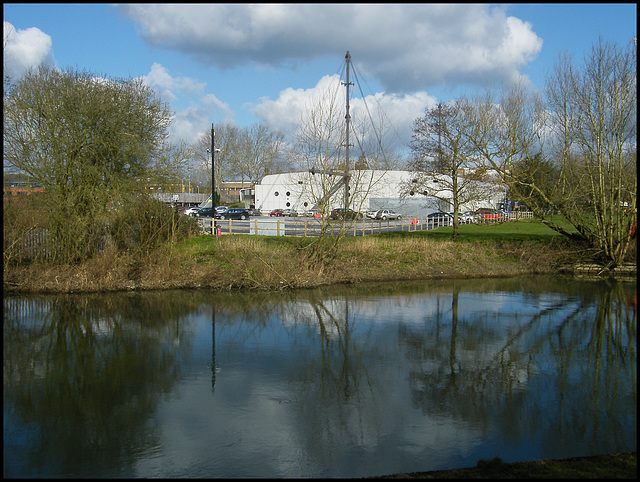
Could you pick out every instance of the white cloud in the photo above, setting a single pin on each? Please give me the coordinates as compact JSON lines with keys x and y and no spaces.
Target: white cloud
{"x":160,"y":79}
{"x":399,"y":110}
{"x":222,"y":108}
{"x":24,"y":49}
{"x":407,"y":47}
{"x":190,"y":122}
{"x":285,"y":112}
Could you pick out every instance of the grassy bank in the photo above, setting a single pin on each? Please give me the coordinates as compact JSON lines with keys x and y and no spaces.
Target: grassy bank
{"x":274,"y":263}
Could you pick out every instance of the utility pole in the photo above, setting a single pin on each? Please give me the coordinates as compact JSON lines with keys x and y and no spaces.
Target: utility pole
{"x":348,"y":120}
{"x":213,"y":170}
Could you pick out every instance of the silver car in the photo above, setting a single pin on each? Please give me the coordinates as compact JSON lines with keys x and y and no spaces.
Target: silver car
{"x":388,"y":214}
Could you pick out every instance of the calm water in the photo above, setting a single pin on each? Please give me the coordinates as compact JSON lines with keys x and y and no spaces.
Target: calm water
{"x":339,"y":382}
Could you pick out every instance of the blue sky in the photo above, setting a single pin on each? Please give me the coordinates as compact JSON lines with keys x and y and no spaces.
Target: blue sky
{"x":245,"y":63}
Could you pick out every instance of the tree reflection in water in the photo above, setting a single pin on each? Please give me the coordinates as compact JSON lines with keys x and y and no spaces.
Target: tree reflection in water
{"x":489,"y":387}
{"x":88,"y":371}
{"x":84,"y":376}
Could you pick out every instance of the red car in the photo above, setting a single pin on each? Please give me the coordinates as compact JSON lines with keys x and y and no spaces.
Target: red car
{"x":276,"y":212}
{"x":487,"y":214}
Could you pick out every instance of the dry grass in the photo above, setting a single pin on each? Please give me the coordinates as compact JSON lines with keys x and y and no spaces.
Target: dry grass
{"x":261,"y":263}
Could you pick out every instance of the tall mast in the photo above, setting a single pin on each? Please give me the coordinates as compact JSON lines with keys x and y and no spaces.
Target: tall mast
{"x":348,"y":120}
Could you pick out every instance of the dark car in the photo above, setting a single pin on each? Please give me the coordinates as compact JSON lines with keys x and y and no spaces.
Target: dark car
{"x":440,"y":219}
{"x":205,"y":213}
{"x":341,"y":213}
{"x":234,"y":213}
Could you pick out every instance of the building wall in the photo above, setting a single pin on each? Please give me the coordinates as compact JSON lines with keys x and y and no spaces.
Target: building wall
{"x":19,"y":190}
{"x":369,"y":190}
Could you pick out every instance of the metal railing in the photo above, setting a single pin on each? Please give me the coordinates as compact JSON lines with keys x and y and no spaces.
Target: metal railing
{"x":34,"y":244}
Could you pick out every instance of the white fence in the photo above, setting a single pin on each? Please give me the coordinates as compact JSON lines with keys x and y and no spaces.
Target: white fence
{"x":312,"y":227}
{"x":36,"y":244}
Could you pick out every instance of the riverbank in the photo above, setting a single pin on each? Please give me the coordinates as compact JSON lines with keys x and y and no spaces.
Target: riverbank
{"x":243,"y":262}
{"x":611,"y":466}
{"x":261,"y":263}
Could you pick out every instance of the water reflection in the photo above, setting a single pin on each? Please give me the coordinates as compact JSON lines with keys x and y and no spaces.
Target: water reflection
{"x":331,"y":382}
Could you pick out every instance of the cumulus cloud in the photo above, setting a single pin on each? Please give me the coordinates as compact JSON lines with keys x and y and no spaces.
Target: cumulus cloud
{"x":406,"y":47}
{"x":285,"y":112}
{"x":398,"y":110}
{"x":188,"y":123}
{"x":160,"y":79}
{"x":25,"y":49}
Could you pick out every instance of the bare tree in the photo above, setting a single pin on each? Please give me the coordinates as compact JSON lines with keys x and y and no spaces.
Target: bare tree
{"x":248,"y":153}
{"x":592,"y":123}
{"x":336,"y":180}
{"x":257,"y":152}
{"x":319,"y":150}
{"x":604,"y":97}
{"x":588,"y":132}
{"x":444,"y":163}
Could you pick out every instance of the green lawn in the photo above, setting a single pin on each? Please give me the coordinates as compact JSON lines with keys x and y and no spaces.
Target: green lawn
{"x":513,"y":230}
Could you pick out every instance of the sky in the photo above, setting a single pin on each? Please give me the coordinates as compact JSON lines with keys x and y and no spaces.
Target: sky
{"x":262,"y":63}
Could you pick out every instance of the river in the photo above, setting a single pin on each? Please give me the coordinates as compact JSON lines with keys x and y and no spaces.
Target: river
{"x":344,"y":381}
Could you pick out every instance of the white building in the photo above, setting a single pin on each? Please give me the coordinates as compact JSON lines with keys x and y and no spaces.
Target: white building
{"x":369,"y":190}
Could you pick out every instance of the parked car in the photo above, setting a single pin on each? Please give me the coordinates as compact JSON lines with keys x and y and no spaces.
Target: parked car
{"x":488,"y":214}
{"x":388,"y":214}
{"x":467,"y":217}
{"x":234,"y":213}
{"x":205,"y":213}
{"x":222,"y":209}
{"x":371,"y":214}
{"x":253,"y":211}
{"x":276,"y":212}
{"x":289,"y":212}
{"x":340,"y":213}
{"x":439,"y":219}
{"x":192,"y":211}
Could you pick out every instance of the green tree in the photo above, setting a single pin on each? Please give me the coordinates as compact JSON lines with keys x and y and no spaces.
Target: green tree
{"x":91,"y":142}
